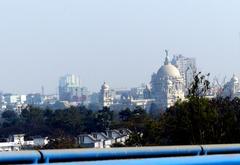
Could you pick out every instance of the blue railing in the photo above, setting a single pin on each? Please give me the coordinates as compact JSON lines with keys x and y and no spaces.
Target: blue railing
{"x":194,"y":160}
{"x":30,"y":157}
{"x":178,"y":155}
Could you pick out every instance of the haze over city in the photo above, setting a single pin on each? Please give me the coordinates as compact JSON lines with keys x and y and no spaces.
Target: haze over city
{"x":99,"y":82}
{"x":121,"y":42}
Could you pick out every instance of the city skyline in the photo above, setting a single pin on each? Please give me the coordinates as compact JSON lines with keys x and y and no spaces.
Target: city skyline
{"x":115,"y":41}
{"x":74,"y":79}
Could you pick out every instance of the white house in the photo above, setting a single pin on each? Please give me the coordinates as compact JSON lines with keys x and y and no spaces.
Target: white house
{"x":107,"y":142}
{"x":102,"y":140}
{"x":88,"y":141}
{"x":9,"y":146}
{"x":17,"y":142}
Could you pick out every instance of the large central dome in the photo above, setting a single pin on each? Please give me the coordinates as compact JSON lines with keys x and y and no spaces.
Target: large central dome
{"x":168,"y":70}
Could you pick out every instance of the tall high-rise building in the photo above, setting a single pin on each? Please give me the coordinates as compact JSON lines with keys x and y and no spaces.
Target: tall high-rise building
{"x":187,"y":67}
{"x":69,"y":88}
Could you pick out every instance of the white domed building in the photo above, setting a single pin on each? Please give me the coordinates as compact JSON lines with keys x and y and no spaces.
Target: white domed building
{"x":167,"y":85}
{"x":232,"y":88}
{"x":106,"y":98}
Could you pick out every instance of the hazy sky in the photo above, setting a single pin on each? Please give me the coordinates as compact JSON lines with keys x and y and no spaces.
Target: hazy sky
{"x":118,"y":41}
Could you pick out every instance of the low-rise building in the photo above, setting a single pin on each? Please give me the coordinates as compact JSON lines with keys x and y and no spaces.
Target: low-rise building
{"x":9,"y":146}
{"x":88,"y":141}
{"x":102,"y":140}
{"x":17,"y":142}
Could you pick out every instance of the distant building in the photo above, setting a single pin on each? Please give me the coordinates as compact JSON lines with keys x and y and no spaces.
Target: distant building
{"x":50,"y":99}
{"x":105,"y":96}
{"x":232,"y":88}
{"x":165,"y":89}
{"x":13,"y":102}
{"x":17,"y":142}
{"x":143,"y":103}
{"x":2,"y":105}
{"x":88,"y":141}
{"x":69,"y":88}
{"x":84,"y":96}
{"x":167,"y":85}
{"x":102,"y":140}
{"x":138,"y":92}
{"x":35,"y":99}
{"x":147,"y":92}
{"x":94,"y":98}
{"x":187,"y":68}
{"x":13,"y":99}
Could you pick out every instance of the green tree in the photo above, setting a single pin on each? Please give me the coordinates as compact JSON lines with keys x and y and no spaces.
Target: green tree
{"x":103,"y":119}
{"x":9,"y":117}
{"x":125,"y":115}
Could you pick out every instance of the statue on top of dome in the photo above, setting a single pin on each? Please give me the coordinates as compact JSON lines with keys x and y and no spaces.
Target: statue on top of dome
{"x":166,"y":59}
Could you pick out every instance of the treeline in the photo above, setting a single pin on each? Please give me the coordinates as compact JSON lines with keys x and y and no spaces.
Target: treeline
{"x":69,"y":122}
{"x":196,"y":121}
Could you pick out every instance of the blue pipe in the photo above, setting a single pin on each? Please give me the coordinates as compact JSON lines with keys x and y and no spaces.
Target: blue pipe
{"x":17,"y":157}
{"x":140,"y":154}
{"x":119,"y":153}
{"x":195,"y":160}
{"x":221,"y":149}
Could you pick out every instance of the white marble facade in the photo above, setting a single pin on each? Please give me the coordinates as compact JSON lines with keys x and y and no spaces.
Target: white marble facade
{"x":167,"y":85}
{"x":232,"y":88}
